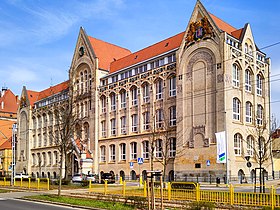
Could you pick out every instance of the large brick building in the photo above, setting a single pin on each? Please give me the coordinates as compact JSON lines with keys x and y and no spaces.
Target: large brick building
{"x":172,"y":96}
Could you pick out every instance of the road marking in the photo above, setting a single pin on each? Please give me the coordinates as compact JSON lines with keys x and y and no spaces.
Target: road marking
{"x":3,"y":199}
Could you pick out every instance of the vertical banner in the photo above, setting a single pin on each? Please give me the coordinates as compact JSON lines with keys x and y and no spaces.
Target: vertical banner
{"x":221,"y":147}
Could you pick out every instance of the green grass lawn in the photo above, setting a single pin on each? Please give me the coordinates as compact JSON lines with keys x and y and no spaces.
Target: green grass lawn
{"x":4,"y":191}
{"x":84,"y":202}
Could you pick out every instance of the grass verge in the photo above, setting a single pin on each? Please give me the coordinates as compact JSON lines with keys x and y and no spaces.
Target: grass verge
{"x":83,"y":202}
{"x":4,"y":191}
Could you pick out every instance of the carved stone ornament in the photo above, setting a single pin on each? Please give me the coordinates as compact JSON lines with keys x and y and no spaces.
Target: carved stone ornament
{"x":202,"y":55}
{"x":199,"y":129}
{"x":23,"y":102}
{"x":199,"y":30}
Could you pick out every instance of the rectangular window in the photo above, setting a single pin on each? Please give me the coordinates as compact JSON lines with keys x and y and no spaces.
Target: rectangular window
{"x":134,"y":96}
{"x":259,"y":85}
{"x":102,"y":154}
{"x":235,"y":75}
{"x":113,"y":127}
{"x":133,"y":148}
{"x":146,"y":93}
{"x":134,"y":119}
{"x":248,"y":81}
{"x":159,"y":118}
{"x":123,"y":151}
{"x":103,"y":129}
{"x":237,"y":144}
{"x":123,"y":99}
{"x":123,"y":125}
{"x":113,"y":102}
{"x":159,"y":89}
{"x":248,"y":112}
{"x":146,"y":119}
{"x":172,"y":147}
{"x":103,"y":104}
{"x":146,"y":149}
{"x":172,"y":116}
{"x":172,"y":86}
{"x":159,"y":148}
{"x":112,"y":153}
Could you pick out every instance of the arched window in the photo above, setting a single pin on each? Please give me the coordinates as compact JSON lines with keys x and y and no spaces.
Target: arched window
{"x":112,"y":153}
{"x":82,"y":82}
{"x":146,"y":92}
{"x":235,"y":75}
{"x":134,"y":96}
{"x":250,"y":145}
{"x":113,"y":127}
{"x":133,"y":151}
{"x":246,"y":48}
{"x":102,"y":154}
{"x":159,"y":118}
{"x":122,"y":151}
{"x":159,"y":89}
{"x":172,"y":116}
{"x":236,"y":109}
{"x":259,"y":114}
{"x":123,"y":98}
{"x":248,"y":80}
{"x":146,"y":148}
{"x":159,"y":148}
{"x":103,"y":104}
{"x":113,"y":101}
{"x":123,"y":125}
{"x":172,"y":147}
{"x":237,"y":144}
{"x":249,"y":111}
{"x":250,"y":52}
{"x":172,"y":86}
{"x":259,"y":85}
{"x":86,"y":81}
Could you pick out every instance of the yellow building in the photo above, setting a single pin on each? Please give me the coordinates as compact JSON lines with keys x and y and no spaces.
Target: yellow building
{"x":6,"y":158}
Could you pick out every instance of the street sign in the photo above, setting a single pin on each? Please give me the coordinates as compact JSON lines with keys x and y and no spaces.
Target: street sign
{"x":131,"y":165}
{"x":140,"y":161}
{"x":208,"y":162}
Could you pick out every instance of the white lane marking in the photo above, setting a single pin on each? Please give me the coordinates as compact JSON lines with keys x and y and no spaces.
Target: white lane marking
{"x":3,"y":199}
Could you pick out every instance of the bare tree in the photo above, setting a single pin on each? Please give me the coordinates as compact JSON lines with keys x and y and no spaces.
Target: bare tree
{"x":259,"y":145}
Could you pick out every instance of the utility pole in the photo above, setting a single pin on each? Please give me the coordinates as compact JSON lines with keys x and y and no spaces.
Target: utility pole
{"x":14,"y":131}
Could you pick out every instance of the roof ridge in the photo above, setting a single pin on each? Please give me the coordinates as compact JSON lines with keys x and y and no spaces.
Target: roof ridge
{"x":148,"y":47}
{"x":109,"y":43}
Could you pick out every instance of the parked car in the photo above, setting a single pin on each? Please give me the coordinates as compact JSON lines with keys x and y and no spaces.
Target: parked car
{"x":21,"y":175}
{"x":91,"y":177}
{"x":107,"y":176}
{"x":78,"y":178}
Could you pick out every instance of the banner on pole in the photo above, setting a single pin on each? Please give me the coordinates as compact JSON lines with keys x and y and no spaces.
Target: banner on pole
{"x":221,"y":147}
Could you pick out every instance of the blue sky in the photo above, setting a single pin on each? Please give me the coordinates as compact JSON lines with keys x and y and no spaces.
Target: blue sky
{"x":37,"y":37}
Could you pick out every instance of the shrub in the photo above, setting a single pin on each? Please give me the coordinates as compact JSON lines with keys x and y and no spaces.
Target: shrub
{"x":201,"y":205}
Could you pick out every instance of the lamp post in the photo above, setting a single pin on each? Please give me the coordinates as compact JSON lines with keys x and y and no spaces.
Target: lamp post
{"x":14,"y":131}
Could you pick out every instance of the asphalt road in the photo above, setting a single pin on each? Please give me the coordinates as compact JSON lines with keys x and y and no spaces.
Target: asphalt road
{"x":15,"y":204}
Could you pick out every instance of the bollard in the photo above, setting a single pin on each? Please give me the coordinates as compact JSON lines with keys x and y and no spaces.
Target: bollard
{"x":121,"y":181}
{"x":145,"y":189}
{"x":29,"y":180}
{"x":105,"y":187}
{"x":123,"y":188}
{"x":89,"y":185}
{"x":38,"y":183}
{"x":169,"y":190}
{"x":48,"y":183}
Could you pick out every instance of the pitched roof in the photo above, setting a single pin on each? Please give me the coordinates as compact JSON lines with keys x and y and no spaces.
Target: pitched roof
{"x":5,"y":130}
{"x":6,"y":145}
{"x":9,"y":102}
{"x":53,"y":90}
{"x":32,"y":96}
{"x":107,"y":52}
{"x":226,"y":27}
{"x":148,"y":52}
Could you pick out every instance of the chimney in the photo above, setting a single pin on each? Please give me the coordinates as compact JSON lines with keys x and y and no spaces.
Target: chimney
{"x":4,"y":89}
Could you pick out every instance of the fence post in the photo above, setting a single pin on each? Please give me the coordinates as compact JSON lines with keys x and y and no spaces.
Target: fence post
{"x":38,"y":183}
{"x":14,"y":181}
{"x":105,"y":186}
{"x":89,"y":186}
{"x":48,"y":183}
{"x":29,"y":183}
{"x":123,"y":188}
{"x":231,"y":194}
{"x":145,"y":189}
{"x":121,"y":181}
{"x":197,"y":192}
{"x":20,"y":182}
{"x":169,"y":190}
{"x":4,"y":181}
{"x":272,"y":199}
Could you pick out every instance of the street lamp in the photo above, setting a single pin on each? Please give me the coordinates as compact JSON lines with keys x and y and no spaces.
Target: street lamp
{"x":14,"y":131}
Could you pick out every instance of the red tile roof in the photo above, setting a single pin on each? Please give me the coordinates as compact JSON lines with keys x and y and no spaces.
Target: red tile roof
{"x":53,"y":90}
{"x":32,"y":96}
{"x":5,"y":130}
{"x":222,"y":25}
{"x":107,"y":52}
{"x":148,"y":52}
{"x":9,"y":102}
{"x":237,"y":33}
{"x":6,"y":145}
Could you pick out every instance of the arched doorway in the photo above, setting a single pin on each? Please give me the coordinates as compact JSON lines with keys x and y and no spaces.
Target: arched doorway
{"x":133,"y":175}
{"x":122,"y":175}
{"x":144,"y":175}
{"x":171,"y":176}
{"x":253,"y":175}
{"x":49,"y":175}
{"x":43,"y":175}
{"x":54,"y":175}
{"x":241,"y":176}
{"x":37,"y":175}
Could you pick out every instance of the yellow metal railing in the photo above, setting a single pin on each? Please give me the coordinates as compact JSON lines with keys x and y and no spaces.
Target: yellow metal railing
{"x":40,"y":184}
{"x":228,"y":196}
